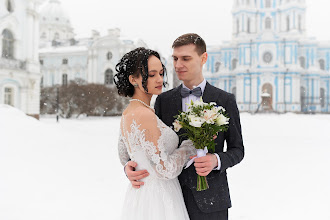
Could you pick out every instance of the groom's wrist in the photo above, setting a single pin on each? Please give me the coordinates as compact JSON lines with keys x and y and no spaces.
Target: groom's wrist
{"x":218,"y":165}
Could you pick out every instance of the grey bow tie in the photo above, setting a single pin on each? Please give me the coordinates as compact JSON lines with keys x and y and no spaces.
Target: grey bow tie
{"x":196,"y":92}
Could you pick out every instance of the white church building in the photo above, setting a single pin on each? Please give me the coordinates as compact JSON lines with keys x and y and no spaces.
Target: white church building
{"x":64,"y":58}
{"x":270,"y":64}
{"x":19,"y":59}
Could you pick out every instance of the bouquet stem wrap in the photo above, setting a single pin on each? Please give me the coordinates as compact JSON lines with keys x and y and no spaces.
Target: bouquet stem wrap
{"x":201,"y":180}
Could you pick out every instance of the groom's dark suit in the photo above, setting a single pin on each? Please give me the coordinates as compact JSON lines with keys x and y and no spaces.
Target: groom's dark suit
{"x":216,"y":198}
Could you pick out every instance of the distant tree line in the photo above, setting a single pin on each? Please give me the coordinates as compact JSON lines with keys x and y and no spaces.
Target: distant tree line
{"x":79,"y":98}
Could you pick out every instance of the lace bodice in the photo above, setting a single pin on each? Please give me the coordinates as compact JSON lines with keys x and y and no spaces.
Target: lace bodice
{"x":145,"y":139}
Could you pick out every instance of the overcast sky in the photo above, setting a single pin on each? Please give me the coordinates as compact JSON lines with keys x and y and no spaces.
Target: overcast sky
{"x":158,"y":23}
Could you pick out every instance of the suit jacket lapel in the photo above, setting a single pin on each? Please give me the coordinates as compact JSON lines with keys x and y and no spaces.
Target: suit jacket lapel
{"x":177,"y":100}
{"x":210,"y":94}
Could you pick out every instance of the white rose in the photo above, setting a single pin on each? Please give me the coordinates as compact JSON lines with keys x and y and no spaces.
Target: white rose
{"x":177,"y":125}
{"x":222,"y":120}
{"x":195,"y":121}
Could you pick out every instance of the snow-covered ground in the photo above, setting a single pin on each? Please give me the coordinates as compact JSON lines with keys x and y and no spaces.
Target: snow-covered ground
{"x":70,"y":170}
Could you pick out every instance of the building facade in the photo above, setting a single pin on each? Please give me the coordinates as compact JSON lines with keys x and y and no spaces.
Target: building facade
{"x":19,"y":61}
{"x":270,"y":64}
{"x":64,"y":58}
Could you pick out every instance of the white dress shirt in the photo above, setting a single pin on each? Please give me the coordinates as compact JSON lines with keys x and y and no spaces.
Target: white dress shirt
{"x":193,"y":98}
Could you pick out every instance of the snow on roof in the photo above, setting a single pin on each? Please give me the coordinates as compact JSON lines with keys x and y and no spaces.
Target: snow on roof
{"x":64,"y":49}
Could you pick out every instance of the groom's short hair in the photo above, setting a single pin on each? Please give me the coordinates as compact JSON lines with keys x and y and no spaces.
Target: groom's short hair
{"x":191,"y":38}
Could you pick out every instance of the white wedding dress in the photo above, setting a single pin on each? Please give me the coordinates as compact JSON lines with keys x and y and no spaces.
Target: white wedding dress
{"x":145,"y":139}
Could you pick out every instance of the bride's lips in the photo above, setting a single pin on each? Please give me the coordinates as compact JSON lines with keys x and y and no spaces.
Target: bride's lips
{"x":159,"y":87}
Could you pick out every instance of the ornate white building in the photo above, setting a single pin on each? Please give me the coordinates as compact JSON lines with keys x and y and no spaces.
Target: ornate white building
{"x":64,"y":58}
{"x":19,"y":62}
{"x":270,"y":64}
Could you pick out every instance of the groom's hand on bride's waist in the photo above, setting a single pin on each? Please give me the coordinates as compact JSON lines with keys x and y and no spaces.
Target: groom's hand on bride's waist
{"x":135,"y":176}
{"x":204,"y":165}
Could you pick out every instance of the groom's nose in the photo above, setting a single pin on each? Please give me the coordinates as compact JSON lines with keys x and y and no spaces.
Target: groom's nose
{"x":178,"y":64}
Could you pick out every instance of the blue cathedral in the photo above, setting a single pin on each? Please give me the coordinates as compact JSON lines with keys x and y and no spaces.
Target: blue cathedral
{"x":270,"y":64}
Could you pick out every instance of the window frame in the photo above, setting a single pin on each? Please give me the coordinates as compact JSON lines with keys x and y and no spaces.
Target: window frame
{"x":8,"y":44}
{"x":108,"y":77}
{"x":9,"y":96}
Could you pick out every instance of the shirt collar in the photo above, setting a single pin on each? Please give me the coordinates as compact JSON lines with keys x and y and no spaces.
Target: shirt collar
{"x":201,"y":85}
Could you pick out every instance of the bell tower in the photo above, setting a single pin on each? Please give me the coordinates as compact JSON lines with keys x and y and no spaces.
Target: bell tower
{"x":252,"y":18}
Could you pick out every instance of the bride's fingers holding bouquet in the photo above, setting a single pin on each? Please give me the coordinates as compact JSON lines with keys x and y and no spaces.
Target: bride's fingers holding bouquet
{"x":204,"y":165}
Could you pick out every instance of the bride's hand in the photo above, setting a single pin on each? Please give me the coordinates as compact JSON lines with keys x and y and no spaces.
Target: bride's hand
{"x":135,"y":176}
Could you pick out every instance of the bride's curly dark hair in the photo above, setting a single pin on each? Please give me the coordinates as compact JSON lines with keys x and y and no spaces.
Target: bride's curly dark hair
{"x":134,"y":63}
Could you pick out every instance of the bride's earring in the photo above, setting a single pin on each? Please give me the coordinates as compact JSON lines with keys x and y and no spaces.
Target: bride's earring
{"x":136,"y":85}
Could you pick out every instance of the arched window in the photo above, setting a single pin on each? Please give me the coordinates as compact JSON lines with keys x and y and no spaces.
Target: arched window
{"x":7,"y":44}
{"x":268,"y":4}
{"x":267,"y":96}
{"x":9,"y":96}
{"x":65,"y":61}
{"x":249,"y":25}
{"x":322,"y":66}
{"x":217,"y":66}
{"x":322,"y":97}
{"x":109,"y":55}
{"x":64,"y":79}
{"x":9,"y":6}
{"x":302,"y":62}
{"x":234,"y":64}
{"x":299,"y":22}
{"x":268,"y":23}
{"x":108,"y":77}
{"x":287,"y":23}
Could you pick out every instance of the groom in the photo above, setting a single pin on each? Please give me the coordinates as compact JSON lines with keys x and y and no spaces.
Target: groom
{"x":189,"y":56}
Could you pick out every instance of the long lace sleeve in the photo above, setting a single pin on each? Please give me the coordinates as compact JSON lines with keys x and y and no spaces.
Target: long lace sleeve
{"x":170,"y":166}
{"x":151,"y":137}
{"x":122,"y":151}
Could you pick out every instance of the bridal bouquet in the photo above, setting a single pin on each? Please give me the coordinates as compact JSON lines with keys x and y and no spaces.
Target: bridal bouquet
{"x":201,"y":123}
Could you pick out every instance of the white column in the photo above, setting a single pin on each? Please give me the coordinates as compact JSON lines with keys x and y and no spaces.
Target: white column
{"x":36,"y":38}
{"x":29,"y":35}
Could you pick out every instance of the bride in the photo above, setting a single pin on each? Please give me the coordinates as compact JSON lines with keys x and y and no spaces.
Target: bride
{"x":145,"y":139}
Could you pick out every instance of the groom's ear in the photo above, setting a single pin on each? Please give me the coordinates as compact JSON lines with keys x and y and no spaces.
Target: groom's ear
{"x":204,"y":57}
